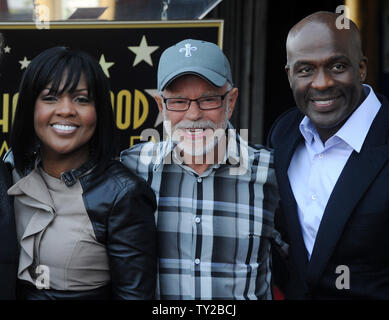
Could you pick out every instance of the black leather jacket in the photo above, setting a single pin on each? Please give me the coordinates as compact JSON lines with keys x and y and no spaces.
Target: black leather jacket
{"x":121,"y":208}
{"x":8,"y":239}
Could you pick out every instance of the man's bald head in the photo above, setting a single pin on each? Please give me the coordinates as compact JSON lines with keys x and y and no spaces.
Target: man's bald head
{"x":324,"y":21}
{"x":326,"y":70}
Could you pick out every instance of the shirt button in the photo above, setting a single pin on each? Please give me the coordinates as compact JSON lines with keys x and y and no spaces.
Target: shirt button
{"x":199,"y":179}
{"x":313,"y":197}
{"x":197,"y":261}
{"x":197,"y":219}
{"x":321,"y":156}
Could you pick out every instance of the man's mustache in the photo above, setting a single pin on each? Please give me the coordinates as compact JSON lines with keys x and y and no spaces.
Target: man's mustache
{"x":323,"y":95}
{"x":200,"y":124}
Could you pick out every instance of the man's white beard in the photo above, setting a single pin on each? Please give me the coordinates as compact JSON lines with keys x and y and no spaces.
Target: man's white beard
{"x":196,"y":147}
{"x":200,"y":147}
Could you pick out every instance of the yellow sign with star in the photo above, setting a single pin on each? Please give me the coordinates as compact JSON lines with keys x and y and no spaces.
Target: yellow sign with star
{"x":127,"y":52}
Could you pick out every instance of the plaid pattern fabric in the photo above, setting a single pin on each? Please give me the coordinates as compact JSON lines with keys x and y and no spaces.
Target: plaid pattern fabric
{"x":214,"y":229}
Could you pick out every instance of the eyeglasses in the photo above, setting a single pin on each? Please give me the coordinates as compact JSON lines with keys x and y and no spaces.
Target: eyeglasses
{"x":204,"y":103}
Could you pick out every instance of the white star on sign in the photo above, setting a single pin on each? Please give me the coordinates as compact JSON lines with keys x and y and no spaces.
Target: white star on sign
{"x":24,"y":63}
{"x":105,"y":65}
{"x":143,"y":52}
{"x":7,"y":49}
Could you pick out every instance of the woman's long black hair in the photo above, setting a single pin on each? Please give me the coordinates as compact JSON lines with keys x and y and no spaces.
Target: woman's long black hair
{"x":50,"y":67}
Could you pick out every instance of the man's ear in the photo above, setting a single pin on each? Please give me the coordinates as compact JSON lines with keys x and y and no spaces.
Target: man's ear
{"x":363,"y":69}
{"x":287,"y":69}
{"x":232,"y":97}
{"x":158,"y":100}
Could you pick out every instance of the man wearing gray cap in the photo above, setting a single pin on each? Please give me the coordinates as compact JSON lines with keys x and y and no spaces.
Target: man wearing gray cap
{"x":216,"y":194}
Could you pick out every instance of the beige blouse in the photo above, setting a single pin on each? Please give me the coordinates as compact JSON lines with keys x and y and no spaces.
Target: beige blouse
{"x":54,"y":230}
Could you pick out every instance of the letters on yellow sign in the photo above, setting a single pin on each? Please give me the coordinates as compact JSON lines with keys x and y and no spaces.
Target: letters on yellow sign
{"x":128,"y":104}
{"x":3,"y":149}
{"x":4,"y":120}
{"x":132,"y":109}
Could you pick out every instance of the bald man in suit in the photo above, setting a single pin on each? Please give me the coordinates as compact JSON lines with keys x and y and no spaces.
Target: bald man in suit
{"x":332,"y":167}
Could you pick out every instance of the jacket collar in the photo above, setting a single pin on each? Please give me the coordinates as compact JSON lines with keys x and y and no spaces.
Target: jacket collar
{"x":69,"y":177}
{"x":34,"y":187}
{"x":361,"y":118}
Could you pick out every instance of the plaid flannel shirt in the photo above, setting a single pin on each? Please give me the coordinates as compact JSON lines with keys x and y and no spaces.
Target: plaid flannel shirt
{"x":214,"y":229}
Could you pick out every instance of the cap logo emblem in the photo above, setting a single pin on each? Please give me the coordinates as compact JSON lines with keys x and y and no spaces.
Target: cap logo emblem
{"x":188,"y":48}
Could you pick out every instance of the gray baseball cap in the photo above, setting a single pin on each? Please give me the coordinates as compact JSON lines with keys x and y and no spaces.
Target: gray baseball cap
{"x":198,"y":57}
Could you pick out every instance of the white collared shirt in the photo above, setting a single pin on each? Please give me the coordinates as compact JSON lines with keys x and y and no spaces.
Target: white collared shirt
{"x":315,"y":167}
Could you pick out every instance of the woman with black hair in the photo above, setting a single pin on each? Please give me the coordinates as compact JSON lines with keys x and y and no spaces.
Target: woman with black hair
{"x":85,"y":223}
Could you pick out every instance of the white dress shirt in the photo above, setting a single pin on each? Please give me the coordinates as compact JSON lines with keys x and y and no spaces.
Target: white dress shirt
{"x":315,"y":167}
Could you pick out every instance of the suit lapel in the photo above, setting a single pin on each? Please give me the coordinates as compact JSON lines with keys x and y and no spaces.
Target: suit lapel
{"x":356,"y":177}
{"x":283,"y":156}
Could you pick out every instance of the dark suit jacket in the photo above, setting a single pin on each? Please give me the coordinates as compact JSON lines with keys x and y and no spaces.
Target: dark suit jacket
{"x":354,"y":230}
{"x":8,"y":240}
